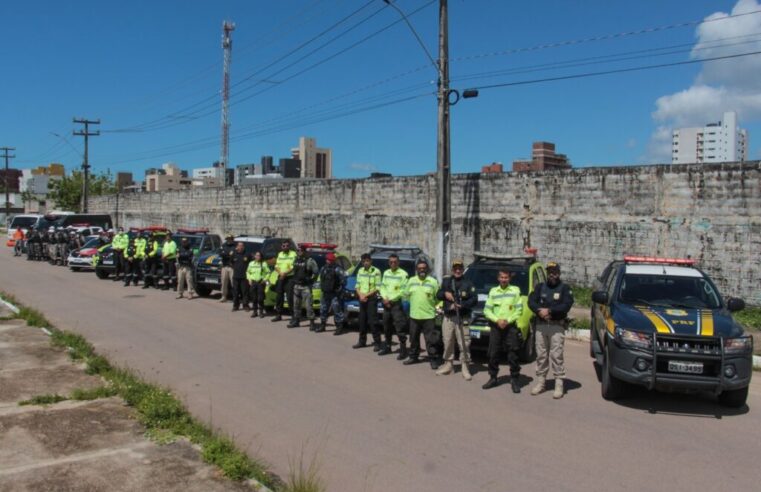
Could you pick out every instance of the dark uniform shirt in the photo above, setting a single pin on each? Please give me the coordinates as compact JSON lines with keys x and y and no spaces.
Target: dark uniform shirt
{"x":226,"y":253}
{"x":558,"y":299}
{"x":463,"y":290}
{"x":185,"y":257}
{"x":239,"y":262}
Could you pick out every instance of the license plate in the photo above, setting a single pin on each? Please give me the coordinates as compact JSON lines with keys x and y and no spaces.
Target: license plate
{"x":482,"y":297}
{"x":211,"y":280}
{"x":686,"y":367}
{"x":475,"y":334}
{"x":108,"y":262}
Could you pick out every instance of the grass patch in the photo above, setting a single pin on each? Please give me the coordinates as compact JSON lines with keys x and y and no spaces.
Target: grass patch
{"x":43,"y":400}
{"x":582,"y":296}
{"x":304,"y":475}
{"x":163,"y":415}
{"x":750,"y":317}
{"x":581,"y":324}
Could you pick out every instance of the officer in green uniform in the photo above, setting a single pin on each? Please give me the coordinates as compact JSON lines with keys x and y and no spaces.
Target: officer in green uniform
{"x":141,"y":243}
{"x":168,"y":260}
{"x":284,"y":284}
{"x":393,"y":284}
{"x":421,"y":291}
{"x":257,"y":273}
{"x":151,"y":262}
{"x":118,"y":244}
{"x":367,"y":287}
{"x":503,"y":309}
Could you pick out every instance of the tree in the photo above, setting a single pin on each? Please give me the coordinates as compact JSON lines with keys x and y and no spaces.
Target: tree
{"x":67,"y":191}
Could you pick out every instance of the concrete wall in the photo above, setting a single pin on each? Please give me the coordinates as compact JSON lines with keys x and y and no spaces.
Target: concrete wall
{"x":581,"y":218}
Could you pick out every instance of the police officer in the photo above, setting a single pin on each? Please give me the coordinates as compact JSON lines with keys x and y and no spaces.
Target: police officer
{"x":550,"y":301}
{"x":151,"y":262}
{"x":367,"y":287}
{"x":185,"y":270}
{"x":503,"y":309}
{"x":239,"y":262}
{"x":305,"y":273}
{"x":141,"y":243}
{"x":332,"y":282}
{"x":131,"y":263}
{"x":226,"y":253}
{"x":459,"y":296}
{"x":168,"y":259}
{"x":393,"y":283}
{"x":284,"y":284}
{"x":421,"y":291}
{"x":257,"y":274}
{"x":118,"y":245}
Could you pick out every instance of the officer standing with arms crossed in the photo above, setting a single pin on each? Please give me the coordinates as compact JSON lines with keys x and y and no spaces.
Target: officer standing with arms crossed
{"x":503,"y":309}
{"x":239,"y":261}
{"x":257,"y":273}
{"x":284,"y":284}
{"x":305,"y":272}
{"x":168,"y":258}
{"x":550,"y":301}
{"x":421,"y":291}
{"x":368,"y":283}
{"x":150,"y":263}
{"x":393,"y":283}
{"x":185,"y":270}
{"x":332,"y":281}
{"x":459,"y":296}
{"x":226,"y":253}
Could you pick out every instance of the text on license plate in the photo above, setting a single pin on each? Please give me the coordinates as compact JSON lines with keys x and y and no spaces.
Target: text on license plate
{"x":475,"y":334}
{"x":108,"y":262}
{"x":212,"y":280}
{"x":686,"y":367}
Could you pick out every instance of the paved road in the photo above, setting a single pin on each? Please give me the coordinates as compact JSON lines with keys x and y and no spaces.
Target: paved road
{"x":377,"y":425}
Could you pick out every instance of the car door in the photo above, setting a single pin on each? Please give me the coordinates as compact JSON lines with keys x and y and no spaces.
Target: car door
{"x":603,"y":312}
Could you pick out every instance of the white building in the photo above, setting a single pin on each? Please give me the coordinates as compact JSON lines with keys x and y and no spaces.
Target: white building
{"x":315,"y":162}
{"x":215,"y":172}
{"x":716,"y":142}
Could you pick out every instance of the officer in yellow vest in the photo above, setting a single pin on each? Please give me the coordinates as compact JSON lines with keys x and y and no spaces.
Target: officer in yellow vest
{"x":421,"y":291}
{"x":257,"y":273}
{"x":367,"y":288}
{"x":284,"y":285}
{"x":503,"y":309}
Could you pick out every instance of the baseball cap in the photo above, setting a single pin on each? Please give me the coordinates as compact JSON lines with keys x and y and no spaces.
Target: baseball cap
{"x":330,"y":257}
{"x":457,"y":263}
{"x":553,"y":266}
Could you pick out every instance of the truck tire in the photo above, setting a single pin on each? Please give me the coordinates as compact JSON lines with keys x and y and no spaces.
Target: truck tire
{"x":611,"y":388}
{"x":528,"y":349}
{"x":734,"y":398}
{"x":592,"y":339}
{"x":203,"y":291}
{"x":102,"y":274}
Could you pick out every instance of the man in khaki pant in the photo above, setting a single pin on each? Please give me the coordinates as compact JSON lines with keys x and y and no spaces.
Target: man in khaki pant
{"x":550,"y":301}
{"x":226,"y":253}
{"x":459,"y":296}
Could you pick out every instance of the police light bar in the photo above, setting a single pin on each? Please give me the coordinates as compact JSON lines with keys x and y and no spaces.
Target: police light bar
{"x":83,"y":224}
{"x":154,"y":228}
{"x":661,"y":261}
{"x":319,"y":245}
{"x":530,"y":251}
{"x":193,"y":231}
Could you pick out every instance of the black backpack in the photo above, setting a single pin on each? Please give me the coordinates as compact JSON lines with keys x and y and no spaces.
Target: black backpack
{"x":329,"y":279}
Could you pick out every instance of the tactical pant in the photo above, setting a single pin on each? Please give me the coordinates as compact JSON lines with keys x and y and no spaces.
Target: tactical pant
{"x":185,"y":278}
{"x":452,"y":330}
{"x":131,"y":271}
{"x":432,"y":338}
{"x":170,"y":272}
{"x":226,"y":277}
{"x":119,"y":262}
{"x":549,"y":350}
{"x":284,"y":290}
{"x":302,"y":294}
{"x":395,"y":321}
{"x":150,"y":265}
{"x":256,"y":293}
{"x":508,"y":340}
{"x":328,"y":301}
{"x":240,"y":292}
{"x":368,"y":320}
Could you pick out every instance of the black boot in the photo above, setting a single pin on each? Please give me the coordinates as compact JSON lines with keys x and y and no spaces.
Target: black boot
{"x":261,"y":313}
{"x":402,"y":351}
{"x":320,"y":328}
{"x":491,"y":383}
{"x":515,"y":385}
{"x":385,"y":349}
{"x":412,"y":360}
{"x":277,"y":317}
{"x":340,"y":330}
{"x":376,"y":346}
{"x":253,"y":313}
{"x":294,"y":323}
{"x":360,"y":344}
{"x":312,"y":326}
{"x":435,"y":363}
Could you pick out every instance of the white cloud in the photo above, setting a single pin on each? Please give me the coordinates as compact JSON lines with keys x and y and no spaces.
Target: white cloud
{"x":723,"y":85}
{"x":361,"y":166}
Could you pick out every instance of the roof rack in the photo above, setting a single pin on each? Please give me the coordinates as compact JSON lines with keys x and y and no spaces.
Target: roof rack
{"x":653,"y":260}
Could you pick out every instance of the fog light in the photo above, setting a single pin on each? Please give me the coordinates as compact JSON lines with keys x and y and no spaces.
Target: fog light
{"x":729,"y":371}
{"x":641,"y":364}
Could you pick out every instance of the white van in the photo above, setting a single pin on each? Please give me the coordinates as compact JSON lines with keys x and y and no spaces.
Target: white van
{"x":23,"y":222}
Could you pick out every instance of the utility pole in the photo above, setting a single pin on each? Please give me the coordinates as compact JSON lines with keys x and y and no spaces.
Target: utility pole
{"x":443,"y":168}
{"x":227,"y":47}
{"x":86,"y":164}
{"x":7,"y":156}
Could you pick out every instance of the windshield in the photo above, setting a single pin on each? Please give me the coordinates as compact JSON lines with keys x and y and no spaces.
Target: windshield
{"x":671,"y":291}
{"x":92,"y":243}
{"x":251,"y":247}
{"x":195,"y":241}
{"x":24,"y":222}
{"x":382,"y":265}
{"x":484,"y":279}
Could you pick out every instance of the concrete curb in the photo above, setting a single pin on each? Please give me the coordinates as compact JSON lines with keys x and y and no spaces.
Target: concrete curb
{"x":583,"y":336}
{"x":9,"y":306}
{"x":257,"y":485}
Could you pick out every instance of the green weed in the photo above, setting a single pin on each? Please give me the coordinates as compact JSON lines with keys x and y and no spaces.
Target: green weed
{"x":750,"y":318}
{"x":581,"y":324}
{"x":582,"y":296}
{"x":304,"y":475}
{"x":80,"y":394}
{"x":43,"y":400}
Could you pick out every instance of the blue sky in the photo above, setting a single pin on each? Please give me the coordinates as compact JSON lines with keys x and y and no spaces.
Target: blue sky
{"x":155,"y":66}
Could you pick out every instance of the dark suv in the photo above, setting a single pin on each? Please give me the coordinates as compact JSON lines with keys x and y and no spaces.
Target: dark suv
{"x":662,"y":324}
{"x":525,"y":273}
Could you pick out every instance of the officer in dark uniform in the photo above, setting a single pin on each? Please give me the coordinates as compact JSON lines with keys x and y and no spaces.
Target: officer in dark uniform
{"x":332,"y":281}
{"x":239,"y":262}
{"x":226,"y":253}
{"x":305,"y":272}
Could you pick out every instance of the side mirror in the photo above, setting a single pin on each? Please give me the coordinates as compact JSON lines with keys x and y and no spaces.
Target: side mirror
{"x":600,"y":297}
{"x":735,"y":304}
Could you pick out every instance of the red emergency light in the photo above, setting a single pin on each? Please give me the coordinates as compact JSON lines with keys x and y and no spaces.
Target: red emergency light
{"x":193,"y":231}
{"x":318,"y":245}
{"x":659,"y":261}
{"x":84,"y":224}
{"x":154,"y":228}
{"x":531,"y":251}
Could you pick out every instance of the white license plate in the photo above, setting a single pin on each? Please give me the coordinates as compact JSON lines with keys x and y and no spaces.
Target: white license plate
{"x":686,"y":367}
{"x":482,"y":297}
{"x":211,"y":280}
{"x":475,"y":334}
{"x":108,"y":262}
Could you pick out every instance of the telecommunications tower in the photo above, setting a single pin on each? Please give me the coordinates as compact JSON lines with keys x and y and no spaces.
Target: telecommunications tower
{"x":227,"y":47}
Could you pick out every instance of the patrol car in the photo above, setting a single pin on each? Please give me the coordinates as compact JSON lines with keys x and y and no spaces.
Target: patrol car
{"x":104,"y":258}
{"x":525,"y":273}
{"x":662,"y":324}
{"x":81,"y":258}
{"x":208,"y":272}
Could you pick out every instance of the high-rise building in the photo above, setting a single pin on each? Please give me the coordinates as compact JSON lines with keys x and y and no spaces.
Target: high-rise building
{"x":123,"y":180}
{"x":723,"y":141}
{"x":316,"y":162}
{"x":543,"y":158}
{"x":267,"y":165}
{"x":169,"y":177}
{"x":291,"y":168}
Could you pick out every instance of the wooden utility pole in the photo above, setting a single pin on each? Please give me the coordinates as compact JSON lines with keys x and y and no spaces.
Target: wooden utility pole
{"x":7,"y":156}
{"x":86,"y":165}
{"x":443,"y":167}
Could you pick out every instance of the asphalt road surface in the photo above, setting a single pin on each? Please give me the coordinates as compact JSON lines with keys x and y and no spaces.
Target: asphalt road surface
{"x":374,"y":424}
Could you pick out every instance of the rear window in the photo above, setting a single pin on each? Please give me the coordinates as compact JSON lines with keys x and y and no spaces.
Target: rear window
{"x":484,"y":279}
{"x":23,"y":222}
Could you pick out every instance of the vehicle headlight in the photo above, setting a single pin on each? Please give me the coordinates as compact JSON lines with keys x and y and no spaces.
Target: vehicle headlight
{"x":633,"y":338}
{"x":738,"y":345}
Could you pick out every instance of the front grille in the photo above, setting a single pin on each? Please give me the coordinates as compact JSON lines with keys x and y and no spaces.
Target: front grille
{"x":667,"y":344}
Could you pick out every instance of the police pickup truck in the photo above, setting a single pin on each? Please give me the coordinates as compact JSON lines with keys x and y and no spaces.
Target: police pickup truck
{"x":662,"y":324}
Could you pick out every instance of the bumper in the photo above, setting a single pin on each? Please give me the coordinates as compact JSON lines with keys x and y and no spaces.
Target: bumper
{"x":656,"y":372}
{"x":79,"y":262}
{"x":210,"y":280}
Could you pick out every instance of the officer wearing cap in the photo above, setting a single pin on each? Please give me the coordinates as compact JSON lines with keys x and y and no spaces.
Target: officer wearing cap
{"x":226,"y":253}
{"x":550,"y":301}
{"x":284,"y":284}
{"x":332,"y":281}
{"x":367,"y":287}
{"x":503,"y":309}
{"x":459,"y":296}
{"x":185,"y":270}
{"x":393,"y":283}
{"x":305,"y":271}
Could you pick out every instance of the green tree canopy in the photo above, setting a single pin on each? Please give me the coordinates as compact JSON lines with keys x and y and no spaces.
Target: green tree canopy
{"x":67,"y":192}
